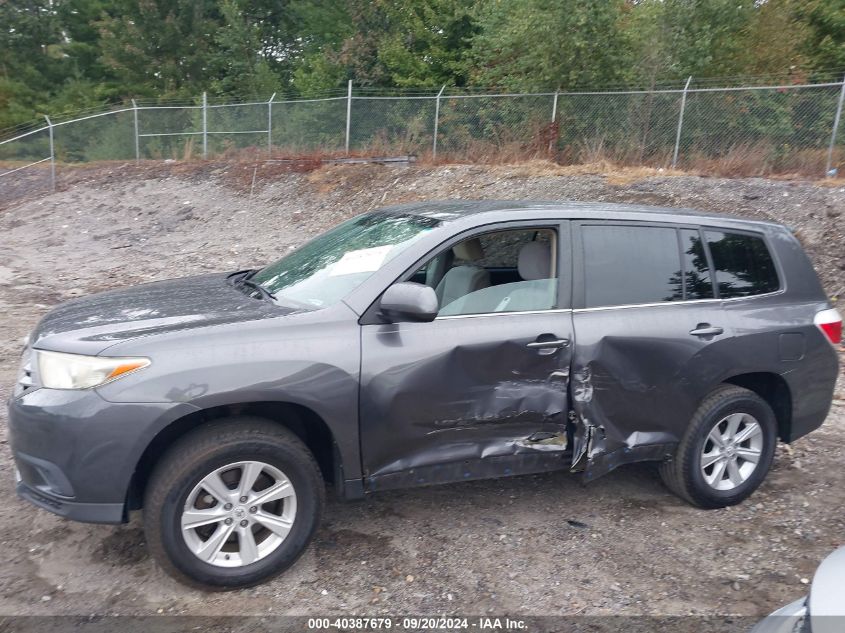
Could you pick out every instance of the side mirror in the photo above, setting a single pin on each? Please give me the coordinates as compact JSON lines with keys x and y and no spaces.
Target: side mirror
{"x":408,"y":301}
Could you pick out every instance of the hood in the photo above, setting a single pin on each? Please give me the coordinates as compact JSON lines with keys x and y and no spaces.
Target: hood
{"x":91,"y":324}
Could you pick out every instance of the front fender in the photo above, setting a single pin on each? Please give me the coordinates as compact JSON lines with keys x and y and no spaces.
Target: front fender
{"x":314,"y":366}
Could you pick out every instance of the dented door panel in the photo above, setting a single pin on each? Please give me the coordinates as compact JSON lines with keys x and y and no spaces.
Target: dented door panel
{"x":637,"y":377}
{"x":463,"y":397}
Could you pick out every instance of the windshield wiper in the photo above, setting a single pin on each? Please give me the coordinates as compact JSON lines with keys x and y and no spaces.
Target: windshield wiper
{"x":249,"y":283}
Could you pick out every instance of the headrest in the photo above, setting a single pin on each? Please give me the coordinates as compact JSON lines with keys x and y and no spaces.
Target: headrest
{"x":469,"y":250}
{"x":535,"y":261}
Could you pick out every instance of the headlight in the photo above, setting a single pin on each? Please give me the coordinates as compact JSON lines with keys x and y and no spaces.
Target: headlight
{"x":73,"y":371}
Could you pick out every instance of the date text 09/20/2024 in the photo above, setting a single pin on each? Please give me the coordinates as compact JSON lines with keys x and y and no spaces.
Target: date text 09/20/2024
{"x":418,"y":623}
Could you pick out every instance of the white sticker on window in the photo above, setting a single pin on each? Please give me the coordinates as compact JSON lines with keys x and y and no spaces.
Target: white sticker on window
{"x":366,"y":260}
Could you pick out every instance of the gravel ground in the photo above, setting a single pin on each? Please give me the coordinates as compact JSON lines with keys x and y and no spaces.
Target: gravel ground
{"x":538,"y":545}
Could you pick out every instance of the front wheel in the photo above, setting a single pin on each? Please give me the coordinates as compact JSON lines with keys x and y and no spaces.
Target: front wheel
{"x":726,"y":452}
{"x":233,"y":503}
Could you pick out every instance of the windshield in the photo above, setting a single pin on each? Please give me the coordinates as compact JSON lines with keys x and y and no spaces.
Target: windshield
{"x":329,"y":267}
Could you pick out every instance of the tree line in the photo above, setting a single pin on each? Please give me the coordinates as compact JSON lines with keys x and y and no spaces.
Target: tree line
{"x":72,"y":55}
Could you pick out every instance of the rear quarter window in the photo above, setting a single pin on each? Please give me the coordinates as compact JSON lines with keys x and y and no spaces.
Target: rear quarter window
{"x":696,"y":269}
{"x":742,"y":264}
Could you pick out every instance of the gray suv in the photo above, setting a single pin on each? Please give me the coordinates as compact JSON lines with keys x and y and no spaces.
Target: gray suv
{"x":421,"y":344}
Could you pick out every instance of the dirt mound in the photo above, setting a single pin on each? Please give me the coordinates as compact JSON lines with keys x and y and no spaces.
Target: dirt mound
{"x":570,"y":548}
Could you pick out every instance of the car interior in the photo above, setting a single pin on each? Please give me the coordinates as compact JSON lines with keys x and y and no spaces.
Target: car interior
{"x":502,"y":271}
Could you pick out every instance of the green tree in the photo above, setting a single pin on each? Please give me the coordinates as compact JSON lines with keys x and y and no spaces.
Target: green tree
{"x":825,"y":43}
{"x":429,"y":46}
{"x":272,"y":39}
{"x":673,"y":39}
{"x":773,"y":41}
{"x":419,"y":43}
{"x":545,"y":44}
{"x":81,"y":39}
{"x":58,"y":55}
{"x":159,"y":47}
{"x":238,"y":60}
{"x":29,"y":62}
{"x":316,"y":73}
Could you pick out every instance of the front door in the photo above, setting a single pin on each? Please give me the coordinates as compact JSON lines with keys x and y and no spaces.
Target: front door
{"x":481,"y":391}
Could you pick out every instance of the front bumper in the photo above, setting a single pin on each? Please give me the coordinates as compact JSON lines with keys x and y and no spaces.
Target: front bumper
{"x":86,"y":512}
{"x":76,"y":452}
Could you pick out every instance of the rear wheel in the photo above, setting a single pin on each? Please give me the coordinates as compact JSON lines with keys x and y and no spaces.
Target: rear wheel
{"x":727,"y":450}
{"x":233,"y":504}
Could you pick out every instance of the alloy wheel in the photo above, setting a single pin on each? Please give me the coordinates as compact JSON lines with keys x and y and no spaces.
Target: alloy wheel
{"x":238,"y":514}
{"x":731,"y":451}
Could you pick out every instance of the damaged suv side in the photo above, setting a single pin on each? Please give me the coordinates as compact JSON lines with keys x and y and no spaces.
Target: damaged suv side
{"x":420,"y":344}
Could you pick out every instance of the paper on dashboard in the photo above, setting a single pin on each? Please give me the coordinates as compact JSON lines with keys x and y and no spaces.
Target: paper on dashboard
{"x":366,"y":260}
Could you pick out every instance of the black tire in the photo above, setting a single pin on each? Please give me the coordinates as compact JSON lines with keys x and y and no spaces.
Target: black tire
{"x":199,"y":453}
{"x":683,"y":475}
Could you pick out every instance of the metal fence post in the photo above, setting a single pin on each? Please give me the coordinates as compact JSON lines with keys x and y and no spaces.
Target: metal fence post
{"x":829,"y":170}
{"x":204,"y":126}
{"x":348,"y":113}
{"x":52,"y":155}
{"x":680,"y":122}
{"x":436,"y":121}
{"x":554,"y":118}
{"x":270,"y":126}
{"x":137,"y":138}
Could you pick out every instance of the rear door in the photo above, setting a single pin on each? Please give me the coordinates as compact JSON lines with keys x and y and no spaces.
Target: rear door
{"x":649,"y":332}
{"x":481,"y":391}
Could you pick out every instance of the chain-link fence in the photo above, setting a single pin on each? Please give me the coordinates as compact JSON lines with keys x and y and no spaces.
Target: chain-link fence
{"x":745,"y":131}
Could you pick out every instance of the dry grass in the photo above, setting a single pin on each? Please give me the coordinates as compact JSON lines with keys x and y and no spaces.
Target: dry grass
{"x":743,"y":160}
{"x":761,"y":160}
{"x":831,"y":182}
{"x":615,"y":174}
{"x":508,"y":157}
{"x":329,"y":177}
{"x":739,"y":161}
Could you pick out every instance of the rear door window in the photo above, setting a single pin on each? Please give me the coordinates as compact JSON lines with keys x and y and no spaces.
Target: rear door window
{"x":629,"y":265}
{"x":743,"y":265}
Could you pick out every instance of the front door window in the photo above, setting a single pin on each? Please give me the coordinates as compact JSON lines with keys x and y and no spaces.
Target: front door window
{"x":501,"y":271}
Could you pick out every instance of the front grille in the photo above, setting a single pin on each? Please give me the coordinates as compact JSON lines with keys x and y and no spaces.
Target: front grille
{"x":26,"y":376}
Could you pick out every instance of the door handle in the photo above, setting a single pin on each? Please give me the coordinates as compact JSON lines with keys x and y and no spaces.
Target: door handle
{"x":558,"y":343}
{"x":705,"y":329}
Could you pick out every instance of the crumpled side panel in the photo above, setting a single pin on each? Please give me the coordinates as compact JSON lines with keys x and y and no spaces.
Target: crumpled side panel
{"x":637,"y":377}
{"x":472,"y":392}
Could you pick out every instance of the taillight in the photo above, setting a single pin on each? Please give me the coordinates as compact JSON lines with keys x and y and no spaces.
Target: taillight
{"x":830,"y":322}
